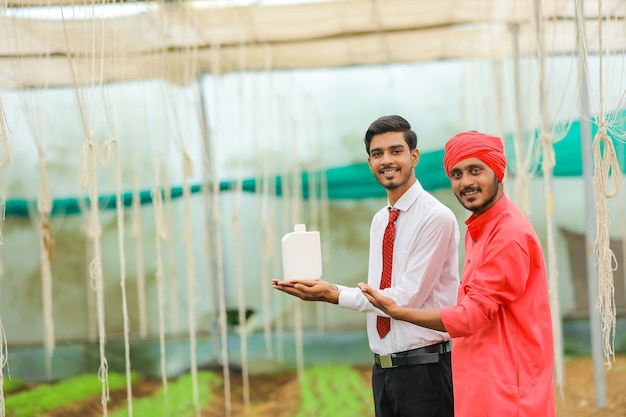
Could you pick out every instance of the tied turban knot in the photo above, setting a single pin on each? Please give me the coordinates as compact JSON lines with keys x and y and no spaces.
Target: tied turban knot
{"x":488,"y":149}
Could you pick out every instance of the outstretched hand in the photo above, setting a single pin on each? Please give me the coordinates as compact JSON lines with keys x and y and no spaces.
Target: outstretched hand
{"x":381,"y":302}
{"x":309,"y":290}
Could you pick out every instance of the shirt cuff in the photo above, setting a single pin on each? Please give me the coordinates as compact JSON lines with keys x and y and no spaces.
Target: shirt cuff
{"x":348,"y":296}
{"x":447,"y":318}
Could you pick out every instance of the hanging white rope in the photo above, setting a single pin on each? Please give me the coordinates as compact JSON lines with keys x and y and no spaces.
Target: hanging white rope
{"x":293,"y":197}
{"x":268,"y":225}
{"x":3,"y":209}
{"x":522,"y":174}
{"x":137,"y":235}
{"x":4,"y":138}
{"x":548,"y":162}
{"x":171,"y":276}
{"x":236,"y":221}
{"x":191,"y":279}
{"x":498,"y":75}
{"x":623,"y":236}
{"x":3,"y":341}
{"x":90,"y":295}
{"x":547,"y":166}
{"x":3,"y":363}
{"x":314,"y":203}
{"x":46,"y":242}
{"x":325,"y":231}
{"x":189,"y":67}
{"x":207,"y":172}
{"x":46,"y":246}
{"x":606,"y":168}
{"x":112,"y":151}
{"x":157,"y":203}
{"x":89,"y":181}
{"x":219,"y":252}
{"x":111,"y":154}
{"x":521,"y":178}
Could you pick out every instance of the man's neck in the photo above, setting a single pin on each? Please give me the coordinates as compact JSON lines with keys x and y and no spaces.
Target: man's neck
{"x":394,"y":195}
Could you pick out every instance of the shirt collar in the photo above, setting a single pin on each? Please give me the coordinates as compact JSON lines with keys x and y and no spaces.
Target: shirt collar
{"x":408,"y":198}
{"x":475,"y":224}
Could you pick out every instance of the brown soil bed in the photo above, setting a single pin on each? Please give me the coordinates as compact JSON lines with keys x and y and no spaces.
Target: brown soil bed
{"x":278,"y":395}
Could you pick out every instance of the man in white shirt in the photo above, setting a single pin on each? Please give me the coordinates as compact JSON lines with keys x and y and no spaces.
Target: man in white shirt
{"x":411,"y":376}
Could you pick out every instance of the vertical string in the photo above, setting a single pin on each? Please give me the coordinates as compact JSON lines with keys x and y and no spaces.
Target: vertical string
{"x":113,"y":146}
{"x":3,"y":209}
{"x":241,"y":301}
{"x":89,"y":180}
{"x":314,"y":204}
{"x":623,"y":239}
{"x":171,"y":279}
{"x":157,"y":200}
{"x":137,"y":234}
{"x":326,"y":229}
{"x":3,"y":363}
{"x":4,"y":138}
{"x":294,"y":198}
{"x":46,"y":242}
{"x":111,"y":154}
{"x":221,"y":292}
{"x":3,"y":342}
{"x":46,"y":246}
{"x":521,"y":174}
{"x":268,"y":191}
{"x":547,"y":167}
{"x":187,"y":165}
{"x":191,"y":287}
{"x":606,"y":168}
{"x":205,"y":193}
{"x":286,"y":205}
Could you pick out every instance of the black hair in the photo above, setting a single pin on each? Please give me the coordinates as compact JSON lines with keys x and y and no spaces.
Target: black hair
{"x":386,"y":124}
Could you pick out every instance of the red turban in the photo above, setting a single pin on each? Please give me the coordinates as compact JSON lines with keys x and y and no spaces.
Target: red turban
{"x":488,"y":149}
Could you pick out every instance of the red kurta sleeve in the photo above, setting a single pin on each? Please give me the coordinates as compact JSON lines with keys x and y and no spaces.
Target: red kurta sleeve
{"x":500,"y":278}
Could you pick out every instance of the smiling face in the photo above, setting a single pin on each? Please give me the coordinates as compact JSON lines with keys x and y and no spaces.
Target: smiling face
{"x":475,"y":185}
{"x":393,"y":163}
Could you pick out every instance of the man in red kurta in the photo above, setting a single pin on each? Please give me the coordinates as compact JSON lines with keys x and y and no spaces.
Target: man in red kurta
{"x":502,"y":356}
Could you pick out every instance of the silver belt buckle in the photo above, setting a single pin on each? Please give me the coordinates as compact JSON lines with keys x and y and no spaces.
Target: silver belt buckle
{"x":385,"y":361}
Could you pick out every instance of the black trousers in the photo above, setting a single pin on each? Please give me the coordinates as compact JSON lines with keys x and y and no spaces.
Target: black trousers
{"x":415,"y":390}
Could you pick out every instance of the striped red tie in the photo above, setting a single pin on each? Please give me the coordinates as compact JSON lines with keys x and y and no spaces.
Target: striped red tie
{"x":383,"y":324}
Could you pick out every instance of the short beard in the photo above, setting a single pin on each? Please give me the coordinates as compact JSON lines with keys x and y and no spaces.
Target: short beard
{"x":488,"y":203}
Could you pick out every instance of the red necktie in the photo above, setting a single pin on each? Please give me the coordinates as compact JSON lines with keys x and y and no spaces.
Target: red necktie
{"x":383,"y":324}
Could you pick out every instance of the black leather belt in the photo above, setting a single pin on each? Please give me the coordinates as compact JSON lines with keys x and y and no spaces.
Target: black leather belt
{"x":419,"y":356}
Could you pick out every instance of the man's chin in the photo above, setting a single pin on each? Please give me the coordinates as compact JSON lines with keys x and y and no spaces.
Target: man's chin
{"x":389,"y":185}
{"x":470,"y":204}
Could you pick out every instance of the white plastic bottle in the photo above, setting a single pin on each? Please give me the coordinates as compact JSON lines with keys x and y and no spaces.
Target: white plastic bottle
{"x":302,"y":254}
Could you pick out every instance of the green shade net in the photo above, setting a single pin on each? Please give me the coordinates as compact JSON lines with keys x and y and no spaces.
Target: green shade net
{"x":348,"y":182}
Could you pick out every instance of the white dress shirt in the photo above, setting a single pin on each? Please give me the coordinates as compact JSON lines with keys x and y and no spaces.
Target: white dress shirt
{"x":425,"y":272}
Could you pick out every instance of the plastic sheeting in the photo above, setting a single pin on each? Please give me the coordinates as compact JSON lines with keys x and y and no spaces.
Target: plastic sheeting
{"x":178,"y":41}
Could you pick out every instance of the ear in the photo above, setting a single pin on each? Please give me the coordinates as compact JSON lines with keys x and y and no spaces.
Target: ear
{"x":415,"y":156}
{"x":369,"y":163}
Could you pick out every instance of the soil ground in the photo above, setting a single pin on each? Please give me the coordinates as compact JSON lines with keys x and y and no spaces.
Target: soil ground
{"x":278,"y":395}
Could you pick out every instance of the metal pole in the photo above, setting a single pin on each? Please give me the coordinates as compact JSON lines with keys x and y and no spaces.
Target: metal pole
{"x":595,"y":321}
